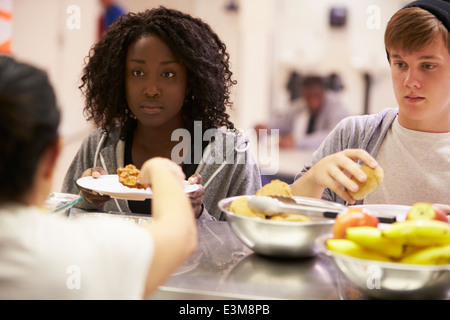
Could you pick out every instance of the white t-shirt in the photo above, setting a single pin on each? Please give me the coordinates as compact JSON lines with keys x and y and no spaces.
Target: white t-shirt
{"x":51,"y":257}
{"x":417,"y":167}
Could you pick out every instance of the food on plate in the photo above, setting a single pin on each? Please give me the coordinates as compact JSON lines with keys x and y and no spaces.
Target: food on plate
{"x":409,"y":241}
{"x":273,"y":188}
{"x":374,"y":179}
{"x":353,"y":217}
{"x":425,"y":211}
{"x":130,"y":176}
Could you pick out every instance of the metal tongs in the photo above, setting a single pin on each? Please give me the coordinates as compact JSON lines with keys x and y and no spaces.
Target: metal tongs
{"x":270,"y":205}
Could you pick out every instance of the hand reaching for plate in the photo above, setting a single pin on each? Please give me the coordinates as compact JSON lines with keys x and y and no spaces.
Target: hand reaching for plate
{"x":91,"y":196}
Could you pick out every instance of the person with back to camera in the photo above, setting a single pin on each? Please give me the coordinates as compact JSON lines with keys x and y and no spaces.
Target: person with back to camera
{"x":45,"y":256}
{"x":411,"y":143}
{"x":151,"y":74}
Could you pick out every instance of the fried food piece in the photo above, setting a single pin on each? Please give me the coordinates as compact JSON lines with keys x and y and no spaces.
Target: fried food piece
{"x":240,"y":206}
{"x":130,"y":176}
{"x":374,"y":179}
{"x":290,"y":217}
{"x":275,"y":188}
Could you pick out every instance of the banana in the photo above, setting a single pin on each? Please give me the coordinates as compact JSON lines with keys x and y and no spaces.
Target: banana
{"x":408,"y":250}
{"x":431,"y":255}
{"x":372,"y":238}
{"x":350,"y":248}
{"x":419,"y":232}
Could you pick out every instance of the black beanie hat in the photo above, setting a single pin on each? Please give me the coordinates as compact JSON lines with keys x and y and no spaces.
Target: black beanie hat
{"x":439,"y":8}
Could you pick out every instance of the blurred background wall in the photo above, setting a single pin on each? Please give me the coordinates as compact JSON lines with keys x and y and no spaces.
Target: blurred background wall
{"x":268,"y":40}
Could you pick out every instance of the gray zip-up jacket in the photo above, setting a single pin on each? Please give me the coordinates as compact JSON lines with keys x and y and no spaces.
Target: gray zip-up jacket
{"x":228,"y":168}
{"x":356,"y":132}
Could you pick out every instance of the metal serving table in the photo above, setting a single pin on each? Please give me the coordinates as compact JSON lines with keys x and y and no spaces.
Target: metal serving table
{"x":223,"y":268}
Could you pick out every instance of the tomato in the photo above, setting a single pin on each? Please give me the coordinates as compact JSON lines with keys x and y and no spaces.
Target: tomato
{"x":353,"y":217}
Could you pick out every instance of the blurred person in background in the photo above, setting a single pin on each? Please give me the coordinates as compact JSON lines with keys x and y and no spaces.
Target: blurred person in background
{"x":153,"y":74}
{"x":110,"y":12}
{"x":44,"y":256}
{"x":309,"y":118}
{"x":412,"y":142}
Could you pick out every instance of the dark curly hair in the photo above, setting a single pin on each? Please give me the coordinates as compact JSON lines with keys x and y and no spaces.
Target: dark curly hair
{"x":192,"y":41}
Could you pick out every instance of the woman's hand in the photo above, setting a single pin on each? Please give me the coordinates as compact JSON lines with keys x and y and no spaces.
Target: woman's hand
{"x":92,"y":196}
{"x":334,"y":172}
{"x":197,"y":196}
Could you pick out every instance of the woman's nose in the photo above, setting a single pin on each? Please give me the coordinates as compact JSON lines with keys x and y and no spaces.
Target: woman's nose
{"x":152,"y":89}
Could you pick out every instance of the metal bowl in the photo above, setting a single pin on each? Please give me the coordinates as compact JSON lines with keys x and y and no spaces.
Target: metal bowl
{"x":281,"y":239}
{"x":391,"y":280}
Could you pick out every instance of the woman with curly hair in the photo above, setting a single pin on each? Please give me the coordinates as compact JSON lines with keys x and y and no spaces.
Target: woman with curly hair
{"x":155,"y":77}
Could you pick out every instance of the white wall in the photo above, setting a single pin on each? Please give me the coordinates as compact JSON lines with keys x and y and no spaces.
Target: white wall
{"x":266,"y":40}
{"x":306,"y":43}
{"x":45,"y":34}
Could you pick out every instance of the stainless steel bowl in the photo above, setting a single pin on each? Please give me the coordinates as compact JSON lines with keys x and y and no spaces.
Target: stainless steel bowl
{"x":391,"y":280}
{"x":283,"y":239}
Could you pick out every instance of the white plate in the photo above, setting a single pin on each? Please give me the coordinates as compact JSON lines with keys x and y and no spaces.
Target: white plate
{"x":109,"y":185}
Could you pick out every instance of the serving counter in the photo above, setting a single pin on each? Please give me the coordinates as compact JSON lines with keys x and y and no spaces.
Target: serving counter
{"x":223,"y":268}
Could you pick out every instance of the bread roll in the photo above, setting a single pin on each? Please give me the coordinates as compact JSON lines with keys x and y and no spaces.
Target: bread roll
{"x":240,"y":206}
{"x":275,"y":188}
{"x":374,"y":179}
{"x":290,"y":217}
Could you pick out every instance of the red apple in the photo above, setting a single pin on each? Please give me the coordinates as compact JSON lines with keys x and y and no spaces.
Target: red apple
{"x":426,"y":211}
{"x":353,"y":217}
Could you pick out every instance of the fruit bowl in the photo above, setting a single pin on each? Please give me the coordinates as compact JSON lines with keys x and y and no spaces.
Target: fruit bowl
{"x":280,"y":239}
{"x":390,"y":280}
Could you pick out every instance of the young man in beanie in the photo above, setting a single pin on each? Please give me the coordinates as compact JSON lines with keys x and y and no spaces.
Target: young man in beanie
{"x":412,"y":142}
{"x":51,"y":257}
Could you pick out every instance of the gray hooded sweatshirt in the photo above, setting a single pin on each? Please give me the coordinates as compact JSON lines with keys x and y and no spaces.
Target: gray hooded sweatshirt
{"x":228,"y":168}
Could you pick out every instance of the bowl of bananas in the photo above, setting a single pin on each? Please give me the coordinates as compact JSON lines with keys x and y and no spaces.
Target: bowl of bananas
{"x":407,"y":259}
